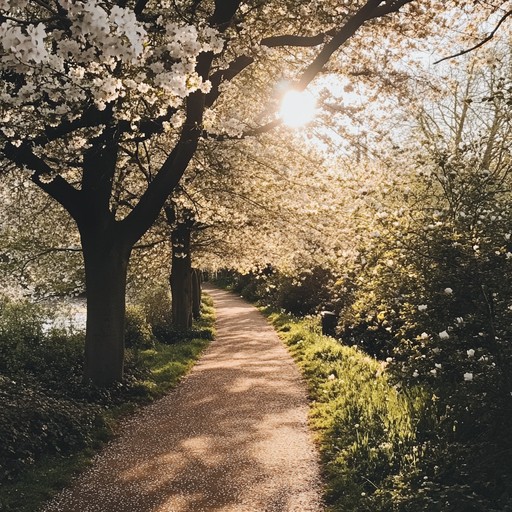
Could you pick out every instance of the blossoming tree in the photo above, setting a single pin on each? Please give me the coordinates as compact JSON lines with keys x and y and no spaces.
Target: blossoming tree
{"x":86,"y":84}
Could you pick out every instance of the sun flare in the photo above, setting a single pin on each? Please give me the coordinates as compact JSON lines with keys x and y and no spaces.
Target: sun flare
{"x":297,"y":108}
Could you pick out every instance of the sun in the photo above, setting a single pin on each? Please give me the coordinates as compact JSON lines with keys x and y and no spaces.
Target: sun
{"x":297,"y":108}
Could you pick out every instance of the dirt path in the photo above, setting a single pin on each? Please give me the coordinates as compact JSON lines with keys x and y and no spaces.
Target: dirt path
{"x":231,"y":438}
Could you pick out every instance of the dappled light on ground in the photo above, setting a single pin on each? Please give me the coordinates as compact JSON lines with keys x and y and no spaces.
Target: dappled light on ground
{"x":231,"y":438}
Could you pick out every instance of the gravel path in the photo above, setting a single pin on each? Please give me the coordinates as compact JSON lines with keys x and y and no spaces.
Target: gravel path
{"x":232,"y":437}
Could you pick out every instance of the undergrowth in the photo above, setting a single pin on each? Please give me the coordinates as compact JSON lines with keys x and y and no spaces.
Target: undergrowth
{"x":51,"y":424}
{"x":365,"y":428}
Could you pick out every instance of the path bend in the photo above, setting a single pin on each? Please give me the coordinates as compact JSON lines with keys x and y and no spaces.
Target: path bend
{"x":232,"y":437}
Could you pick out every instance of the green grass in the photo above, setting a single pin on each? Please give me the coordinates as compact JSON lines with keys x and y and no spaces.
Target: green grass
{"x":169,"y":363}
{"x":365,"y":428}
{"x":40,"y":483}
{"x":165,"y":365}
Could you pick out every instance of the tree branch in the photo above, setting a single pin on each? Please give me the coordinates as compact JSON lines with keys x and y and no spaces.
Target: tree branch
{"x":139,"y":7}
{"x":318,"y":39}
{"x":389,"y":8}
{"x":150,"y":245}
{"x":234,"y":68}
{"x":294,"y":40}
{"x":223,"y":13}
{"x":372,"y":9}
{"x":58,"y":188}
{"x":148,"y":208}
{"x":479,"y":44}
{"x":91,"y":117}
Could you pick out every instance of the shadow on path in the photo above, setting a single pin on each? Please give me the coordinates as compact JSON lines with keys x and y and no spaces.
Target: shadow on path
{"x":231,"y":437}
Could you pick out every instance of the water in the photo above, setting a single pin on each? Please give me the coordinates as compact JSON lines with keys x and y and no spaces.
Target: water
{"x":69,"y":314}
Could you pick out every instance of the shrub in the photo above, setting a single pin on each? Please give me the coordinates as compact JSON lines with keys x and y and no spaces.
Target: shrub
{"x":21,"y":323}
{"x":305,"y":293}
{"x":302,"y":293}
{"x":157,"y":306}
{"x":138,"y":332}
{"x":432,"y":292}
{"x":33,"y":422}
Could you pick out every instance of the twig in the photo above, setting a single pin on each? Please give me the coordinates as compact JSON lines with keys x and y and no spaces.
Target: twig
{"x":480,"y":43}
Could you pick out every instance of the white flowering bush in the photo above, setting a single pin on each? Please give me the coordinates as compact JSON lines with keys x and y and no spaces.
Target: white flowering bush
{"x":90,"y":54}
{"x":431,"y":297}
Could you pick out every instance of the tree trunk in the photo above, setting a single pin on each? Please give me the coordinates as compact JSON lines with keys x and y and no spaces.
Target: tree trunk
{"x":106,"y":264}
{"x":196,"y":293}
{"x":181,"y":278}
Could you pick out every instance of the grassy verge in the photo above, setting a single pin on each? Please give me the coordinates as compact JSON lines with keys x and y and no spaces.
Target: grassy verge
{"x":154,"y":372}
{"x":365,"y":428}
{"x":169,"y":362}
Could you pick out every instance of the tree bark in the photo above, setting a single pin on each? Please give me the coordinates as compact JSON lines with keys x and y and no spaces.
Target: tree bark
{"x":196,"y":293}
{"x":181,"y":277}
{"x":106,"y":263}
